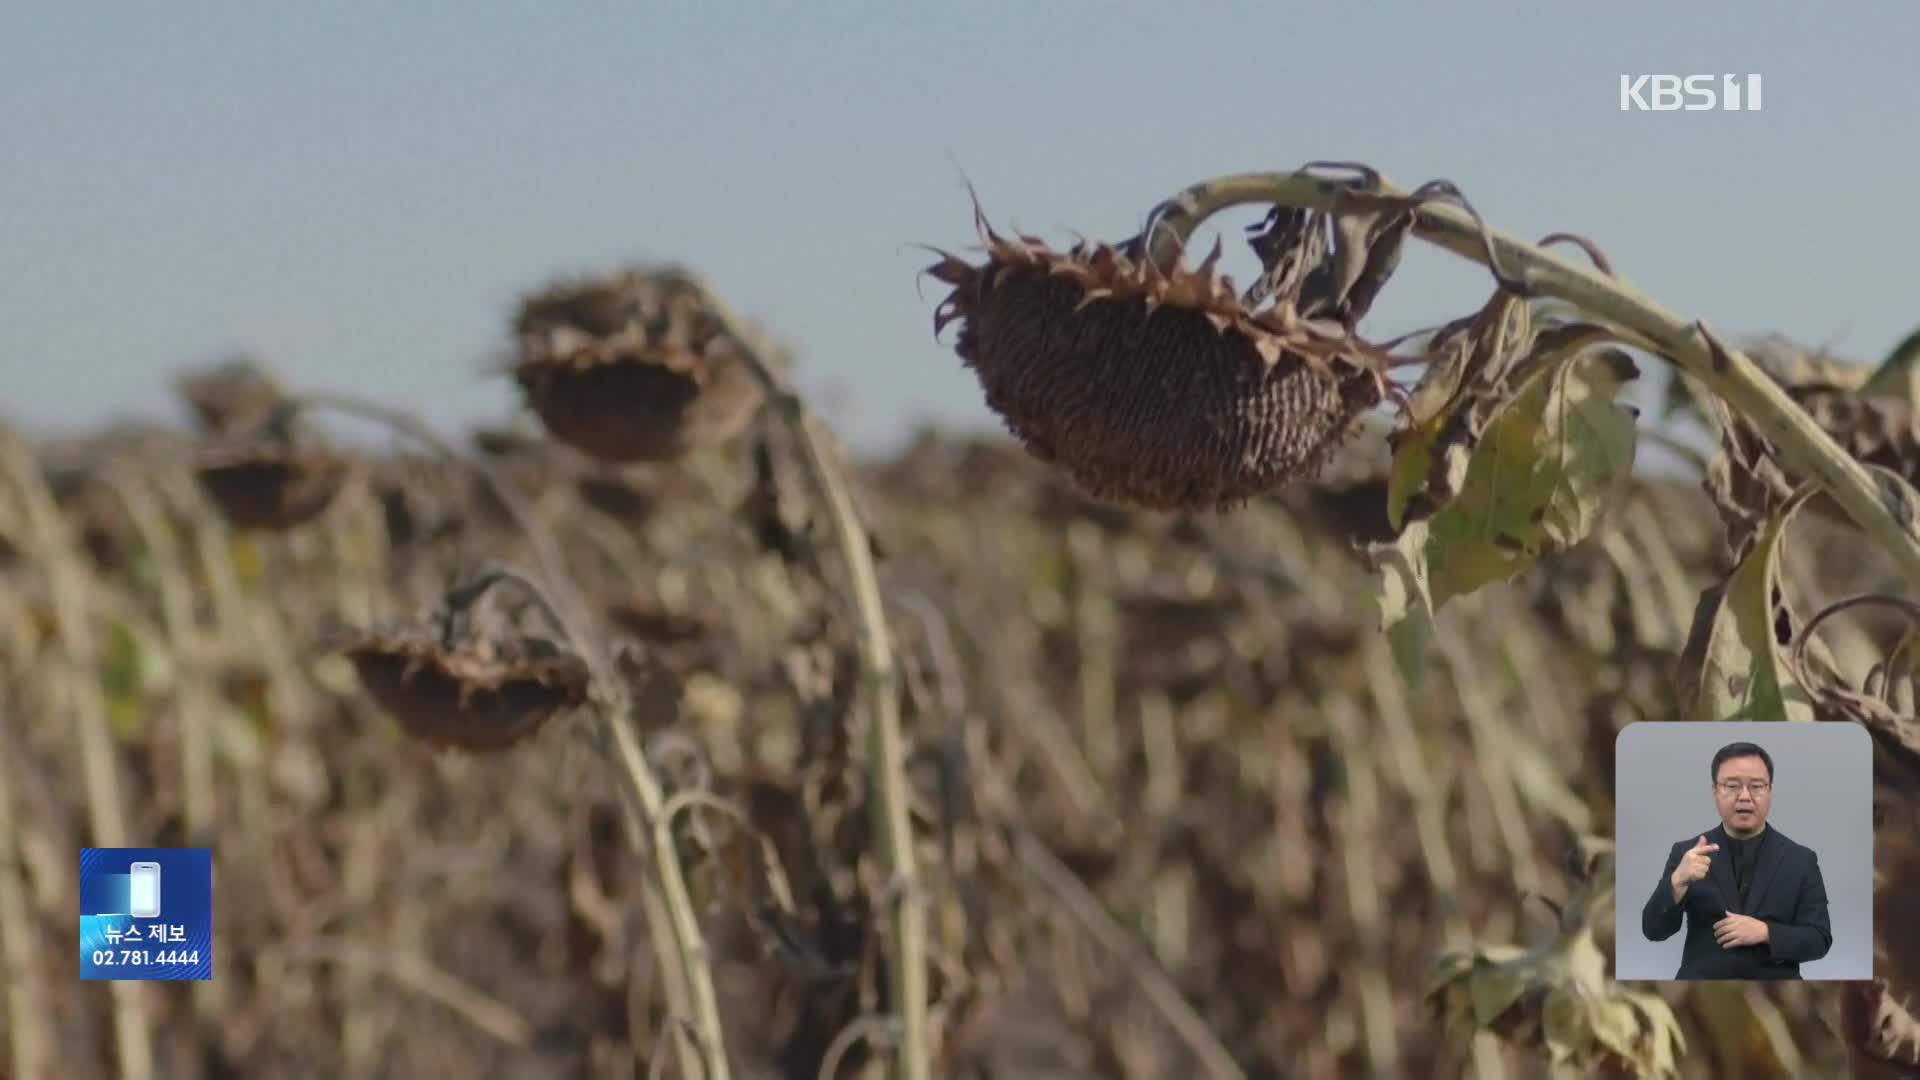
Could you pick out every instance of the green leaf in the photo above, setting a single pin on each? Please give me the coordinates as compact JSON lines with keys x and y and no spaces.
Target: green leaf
{"x":1554,"y":456}
{"x":1898,"y":376}
{"x":1734,"y":664}
{"x":123,"y":717}
{"x":122,"y":678}
{"x":1494,"y":987}
{"x":249,"y":562}
{"x":1447,"y":971}
{"x":1411,"y":640}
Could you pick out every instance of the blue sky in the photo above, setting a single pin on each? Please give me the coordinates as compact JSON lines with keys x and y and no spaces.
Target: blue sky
{"x":360,"y":192}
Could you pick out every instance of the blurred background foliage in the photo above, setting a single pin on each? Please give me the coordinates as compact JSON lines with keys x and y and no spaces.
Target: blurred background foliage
{"x":1169,"y":775}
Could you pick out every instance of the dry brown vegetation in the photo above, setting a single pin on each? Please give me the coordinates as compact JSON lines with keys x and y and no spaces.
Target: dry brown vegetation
{"x":1190,"y":714}
{"x":1176,"y":808}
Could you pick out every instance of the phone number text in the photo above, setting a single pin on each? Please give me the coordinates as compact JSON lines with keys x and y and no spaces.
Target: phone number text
{"x":144,"y":957}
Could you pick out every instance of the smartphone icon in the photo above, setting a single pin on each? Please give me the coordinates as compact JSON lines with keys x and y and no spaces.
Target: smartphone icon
{"x":144,"y":891}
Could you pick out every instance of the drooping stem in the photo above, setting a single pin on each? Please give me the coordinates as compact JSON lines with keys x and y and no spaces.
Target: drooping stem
{"x":1900,"y":734}
{"x":892,"y":825}
{"x":461,"y":598}
{"x":412,"y":971}
{"x":1086,"y":908}
{"x":1881,"y":512}
{"x":667,"y":887}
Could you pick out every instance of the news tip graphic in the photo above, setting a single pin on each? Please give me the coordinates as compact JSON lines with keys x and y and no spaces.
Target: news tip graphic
{"x":146,"y":913}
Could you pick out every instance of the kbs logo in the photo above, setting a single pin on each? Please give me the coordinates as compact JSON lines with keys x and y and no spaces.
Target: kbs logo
{"x":1692,"y":93}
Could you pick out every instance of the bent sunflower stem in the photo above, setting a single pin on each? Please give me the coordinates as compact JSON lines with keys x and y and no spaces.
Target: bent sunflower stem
{"x":465,"y":594}
{"x":1884,"y":512}
{"x":892,"y":823}
{"x":701,"y":1050}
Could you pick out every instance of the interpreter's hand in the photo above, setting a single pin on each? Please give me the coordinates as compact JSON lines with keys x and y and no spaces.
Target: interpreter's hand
{"x":1737,"y":930}
{"x":1693,"y":866}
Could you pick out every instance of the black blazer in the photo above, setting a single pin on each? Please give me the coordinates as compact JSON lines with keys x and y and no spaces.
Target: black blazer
{"x":1787,"y":894}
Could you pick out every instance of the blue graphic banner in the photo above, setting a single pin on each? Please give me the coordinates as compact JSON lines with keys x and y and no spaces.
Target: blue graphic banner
{"x":146,"y":913}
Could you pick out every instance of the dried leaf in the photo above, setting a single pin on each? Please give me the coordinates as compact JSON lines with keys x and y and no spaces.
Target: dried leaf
{"x":1883,"y":1030}
{"x":1785,"y":361}
{"x":1471,"y":354}
{"x":1877,"y":431}
{"x":1291,"y":243}
{"x":1557,"y":999}
{"x":1744,"y":482}
{"x":1880,"y":1020}
{"x":1893,"y":727}
{"x":1366,"y":251}
{"x":1332,"y":265}
{"x":1747,"y":481}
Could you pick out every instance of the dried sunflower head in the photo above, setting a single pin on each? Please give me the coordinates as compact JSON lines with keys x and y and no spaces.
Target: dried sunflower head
{"x":99,"y":518}
{"x":234,"y":395}
{"x":625,"y":367}
{"x":270,"y":485}
{"x":480,"y":694}
{"x":1876,"y":430}
{"x":1747,"y":479}
{"x":1160,"y":389}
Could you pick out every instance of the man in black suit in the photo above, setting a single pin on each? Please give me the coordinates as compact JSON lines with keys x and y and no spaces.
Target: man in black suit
{"x":1759,"y":910}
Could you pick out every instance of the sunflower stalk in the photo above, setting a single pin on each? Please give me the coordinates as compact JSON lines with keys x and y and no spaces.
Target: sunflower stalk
{"x":1883,"y":512}
{"x":893,"y":826}
{"x":669,"y":904}
{"x":192,"y":713}
{"x":29,"y":1025}
{"x":70,"y":585}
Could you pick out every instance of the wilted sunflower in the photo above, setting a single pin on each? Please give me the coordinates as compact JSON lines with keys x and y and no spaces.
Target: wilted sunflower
{"x":1876,"y":430}
{"x":234,"y":395}
{"x":478,"y":694}
{"x":1158,"y":388}
{"x":630,"y":367}
{"x":270,"y":484}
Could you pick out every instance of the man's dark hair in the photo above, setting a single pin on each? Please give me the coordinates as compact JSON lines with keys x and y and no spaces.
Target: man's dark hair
{"x":1741,"y":749}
